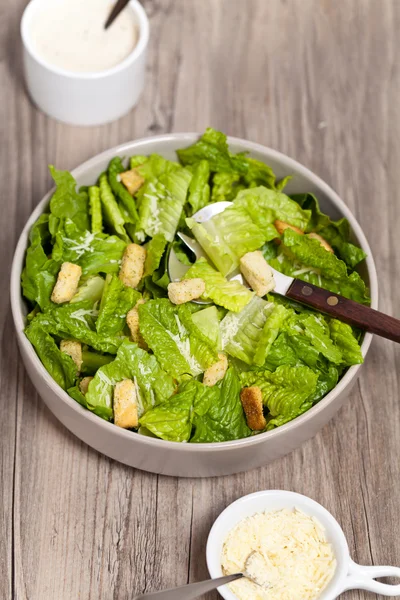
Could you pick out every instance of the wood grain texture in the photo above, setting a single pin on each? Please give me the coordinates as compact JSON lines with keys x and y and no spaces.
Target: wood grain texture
{"x":317,"y":79}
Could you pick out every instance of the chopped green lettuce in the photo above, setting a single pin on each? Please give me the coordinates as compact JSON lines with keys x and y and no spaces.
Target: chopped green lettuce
{"x":230,"y":294}
{"x":154,"y":385}
{"x":207,"y":322}
{"x":40,"y":272}
{"x":225,"y":187}
{"x":242,"y":332}
{"x":116,"y":301}
{"x":161,"y":199}
{"x":199,"y":188}
{"x":345,"y":340}
{"x":59,"y":364}
{"x":213,"y":147}
{"x":265,"y":206}
{"x":90,"y":289}
{"x":66,"y":202}
{"x":285,"y":390}
{"x":112,"y":213}
{"x":174,"y":338}
{"x":270,"y":332}
{"x":155,"y":251}
{"x":303,"y":257}
{"x":95,"y":253}
{"x":96,"y":217}
{"x":114,"y":169}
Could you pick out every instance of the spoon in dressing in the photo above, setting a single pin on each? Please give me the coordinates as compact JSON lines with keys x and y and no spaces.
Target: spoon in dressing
{"x":192,"y":590}
{"x":117,"y":8}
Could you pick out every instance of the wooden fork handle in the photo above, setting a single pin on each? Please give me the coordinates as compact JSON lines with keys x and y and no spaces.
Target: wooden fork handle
{"x":346,"y":310}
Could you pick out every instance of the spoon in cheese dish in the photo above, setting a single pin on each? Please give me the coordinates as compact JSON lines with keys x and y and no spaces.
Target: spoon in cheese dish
{"x":193,"y":590}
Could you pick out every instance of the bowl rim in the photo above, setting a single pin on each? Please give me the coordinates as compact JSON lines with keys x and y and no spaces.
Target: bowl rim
{"x":143,"y":30}
{"x":187,"y":138}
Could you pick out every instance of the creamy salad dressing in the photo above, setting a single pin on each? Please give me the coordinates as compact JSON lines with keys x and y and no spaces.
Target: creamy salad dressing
{"x":70,"y":34}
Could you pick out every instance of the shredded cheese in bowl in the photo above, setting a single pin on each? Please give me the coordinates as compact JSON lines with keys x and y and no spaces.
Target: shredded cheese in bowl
{"x":298,"y":561}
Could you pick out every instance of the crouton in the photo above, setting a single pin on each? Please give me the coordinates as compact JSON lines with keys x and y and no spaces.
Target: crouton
{"x":74,"y":350}
{"x":280,"y":226}
{"x":132,"y":181}
{"x":257,"y":272}
{"x":67,"y":283}
{"x":132,"y":319}
{"x":186,"y":290}
{"x":84,"y":384}
{"x":132,"y":265}
{"x":217,"y":371}
{"x":251,"y":399}
{"x":126,"y":404}
{"x":322,"y":241}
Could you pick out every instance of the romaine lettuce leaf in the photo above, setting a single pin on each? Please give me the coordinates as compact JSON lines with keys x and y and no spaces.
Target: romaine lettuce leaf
{"x":225,"y":187}
{"x":66,"y":202}
{"x":96,"y":217}
{"x":95,"y":253}
{"x":227,"y":236}
{"x":112,"y":213}
{"x":155,"y":250}
{"x":285,"y":390}
{"x":90,"y":289}
{"x":116,"y":301}
{"x":114,"y":169}
{"x":316,"y":330}
{"x":213,"y":147}
{"x":241,"y":332}
{"x":269,"y":333}
{"x":265,"y":206}
{"x":345,"y":340}
{"x":173,"y":337}
{"x":40,"y":273}
{"x":224,"y":419}
{"x":59,"y":364}
{"x":76,"y":321}
{"x":172,"y":419}
{"x":230,"y":294}
{"x":336,"y":233}
{"x":199,"y":188}
{"x":207,"y":322}
{"x":161,"y":201}
{"x":154,"y":384}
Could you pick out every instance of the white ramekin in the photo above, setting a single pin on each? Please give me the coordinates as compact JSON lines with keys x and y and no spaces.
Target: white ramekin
{"x":85,"y":98}
{"x":348,"y":574}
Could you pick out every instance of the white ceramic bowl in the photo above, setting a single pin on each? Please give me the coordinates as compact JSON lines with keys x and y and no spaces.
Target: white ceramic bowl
{"x":348,"y":575}
{"x":172,"y":458}
{"x":85,"y":98}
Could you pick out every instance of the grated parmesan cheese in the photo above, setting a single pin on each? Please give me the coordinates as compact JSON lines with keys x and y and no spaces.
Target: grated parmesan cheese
{"x":298,"y":560}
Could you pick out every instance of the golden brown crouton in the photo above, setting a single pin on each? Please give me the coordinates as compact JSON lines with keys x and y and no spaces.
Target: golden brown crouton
{"x":321,"y":240}
{"x":126,"y":404}
{"x":186,"y":290}
{"x":257,"y":272}
{"x":132,"y":319}
{"x":84,"y":384}
{"x":74,"y":350}
{"x":132,"y":265}
{"x":67,"y":283}
{"x":280,"y":226}
{"x":251,"y":399}
{"x":217,"y":371}
{"x":132,"y":180}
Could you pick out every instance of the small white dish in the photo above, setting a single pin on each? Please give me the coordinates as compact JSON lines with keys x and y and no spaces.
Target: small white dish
{"x":85,"y":98}
{"x":348,"y":575}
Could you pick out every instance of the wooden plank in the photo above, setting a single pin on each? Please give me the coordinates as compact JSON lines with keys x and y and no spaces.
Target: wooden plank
{"x":316,"y":79}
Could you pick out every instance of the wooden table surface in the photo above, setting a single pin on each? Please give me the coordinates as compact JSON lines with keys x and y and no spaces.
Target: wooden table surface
{"x":316,"y":79}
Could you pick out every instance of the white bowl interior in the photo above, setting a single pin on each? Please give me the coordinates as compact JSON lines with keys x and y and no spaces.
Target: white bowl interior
{"x":303,"y":180}
{"x":272,"y":500}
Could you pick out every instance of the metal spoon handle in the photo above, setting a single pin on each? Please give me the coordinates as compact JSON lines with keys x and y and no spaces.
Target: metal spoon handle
{"x":191,"y":590}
